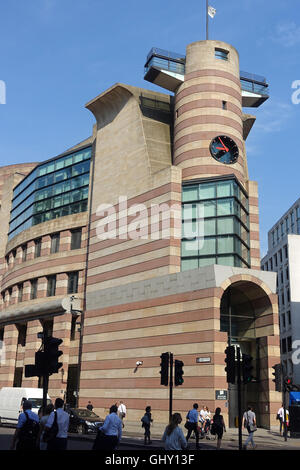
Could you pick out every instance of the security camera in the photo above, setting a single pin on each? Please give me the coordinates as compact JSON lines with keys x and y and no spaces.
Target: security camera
{"x":139,"y":363}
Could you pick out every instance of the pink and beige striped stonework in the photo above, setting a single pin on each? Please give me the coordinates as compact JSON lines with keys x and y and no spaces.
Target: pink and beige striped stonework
{"x":137,"y":303}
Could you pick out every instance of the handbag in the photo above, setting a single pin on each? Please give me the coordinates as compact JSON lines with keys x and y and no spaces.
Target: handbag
{"x":188,"y":425}
{"x":50,"y":433}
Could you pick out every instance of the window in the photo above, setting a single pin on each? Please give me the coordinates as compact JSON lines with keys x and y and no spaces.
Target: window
{"x":221,"y":54}
{"x":289,"y":317}
{"x":275,"y":260}
{"x":47,"y":327}
{"x":282,"y":298}
{"x":76,"y":239}
{"x":51,"y":286}
{"x":289,"y":343}
{"x":33,"y":289}
{"x":55,"y":240}
{"x":73,"y":327}
{"x":20,"y":292}
{"x":283,"y":345}
{"x":280,"y":256}
{"x":24,"y":252}
{"x":288,"y":295}
{"x":287,"y":274}
{"x":292,"y":222}
{"x":224,"y":104}
{"x":73,"y":282}
{"x":285,"y":251}
{"x":37,"y":247}
{"x":22,"y":334}
{"x":283,"y":321}
{"x":281,"y":277}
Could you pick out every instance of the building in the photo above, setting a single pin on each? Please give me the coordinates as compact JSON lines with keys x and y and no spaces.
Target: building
{"x":283,"y":257}
{"x":152,"y":223}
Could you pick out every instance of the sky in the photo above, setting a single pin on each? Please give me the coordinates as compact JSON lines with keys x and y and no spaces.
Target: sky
{"x":56,"y":55}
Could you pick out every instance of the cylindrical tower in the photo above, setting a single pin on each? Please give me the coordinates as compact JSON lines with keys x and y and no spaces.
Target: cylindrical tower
{"x":208,"y":105}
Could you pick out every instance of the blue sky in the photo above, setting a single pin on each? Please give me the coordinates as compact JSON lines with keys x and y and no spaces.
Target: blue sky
{"x":56,"y":55}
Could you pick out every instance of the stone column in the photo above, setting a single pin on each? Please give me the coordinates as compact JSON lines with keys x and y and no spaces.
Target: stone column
{"x":8,"y":356}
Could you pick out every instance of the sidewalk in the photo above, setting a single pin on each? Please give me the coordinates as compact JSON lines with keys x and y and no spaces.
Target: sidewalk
{"x":266,"y":438}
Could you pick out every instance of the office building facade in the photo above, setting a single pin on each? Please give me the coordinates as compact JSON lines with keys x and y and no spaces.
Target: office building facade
{"x":152,"y":223}
{"x":283,"y":257}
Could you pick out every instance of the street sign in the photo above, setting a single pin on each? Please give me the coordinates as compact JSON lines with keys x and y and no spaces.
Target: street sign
{"x":221,"y":394}
{"x":201,"y":360}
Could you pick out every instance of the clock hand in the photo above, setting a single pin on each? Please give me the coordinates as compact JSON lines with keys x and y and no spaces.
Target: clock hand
{"x":223,"y":145}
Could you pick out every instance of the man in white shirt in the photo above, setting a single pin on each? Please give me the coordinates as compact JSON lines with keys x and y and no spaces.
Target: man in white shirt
{"x":63,"y":418}
{"x":280,"y":414}
{"x":122,"y":412}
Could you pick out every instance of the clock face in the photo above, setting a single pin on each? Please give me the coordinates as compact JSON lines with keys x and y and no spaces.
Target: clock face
{"x":224,"y":149}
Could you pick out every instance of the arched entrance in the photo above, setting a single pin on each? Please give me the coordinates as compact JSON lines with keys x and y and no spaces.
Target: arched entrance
{"x":246,"y":311}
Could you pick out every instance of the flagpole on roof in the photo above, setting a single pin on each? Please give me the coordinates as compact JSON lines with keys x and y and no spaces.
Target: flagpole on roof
{"x":206,"y":19}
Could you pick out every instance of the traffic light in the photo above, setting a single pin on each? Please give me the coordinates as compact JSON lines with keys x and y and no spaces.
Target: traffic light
{"x":52,"y":354}
{"x":164,"y":371}
{"x":288,"y":384}
{"x":247,"y":368}
{"x":178,"y":372}
{"x":230,"y":367}
{"x":277,"y":377}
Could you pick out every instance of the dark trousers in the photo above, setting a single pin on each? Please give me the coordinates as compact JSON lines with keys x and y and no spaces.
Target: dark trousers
{"x":193,"y":427}
{"x":147,"y":431}
{"x":58,"y":443}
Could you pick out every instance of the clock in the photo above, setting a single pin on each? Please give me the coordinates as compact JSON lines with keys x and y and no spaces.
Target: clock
{"x":224,"y":149}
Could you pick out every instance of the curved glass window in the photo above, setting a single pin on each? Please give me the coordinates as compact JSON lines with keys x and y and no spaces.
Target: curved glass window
{"x":54,"y":189}
{"x":215,"y":225}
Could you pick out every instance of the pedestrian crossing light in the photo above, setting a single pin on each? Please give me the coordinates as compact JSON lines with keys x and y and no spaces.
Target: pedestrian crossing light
{"x":164,"y":369}
{"x":230,"y":364}
{"x":277,"y":377}
{"x":247,"y":368}
{"x":178,"y":372}
{"x":288,"y":384}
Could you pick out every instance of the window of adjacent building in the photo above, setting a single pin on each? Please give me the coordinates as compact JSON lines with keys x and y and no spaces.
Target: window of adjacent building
{"x":33,"y":288}
{"x":18,"y":375}
{"x":51,"y":285}
{"x":37,"y":247}
{"x":292,"y":222}
{"x":283,"y":345}
{"x":22,"y":331}
{"x":287,"y":225}
{"x":73,"y":282}
{"x":289,"y":343}
{"x":281,"y":276}
{"x":14,"y":254}
{"x":76,"y":239}
{"x":275,"y":260}
{"x":287,"y":274}
{"x":277,"y":234}
{"x":20,"y":292}
{"x":221,"y":54}
{"x":24,"y":252}
{"x":289,"y":317}
{"x":280,"y":256}
{"x":288,"y":295}
{"x":282,"y":298}
{"x":55,"y":240}
{"x":271,"y":264}
{"x":285,"y":249}
{"x":273,"y":238}
{"x":266,"y":267}
{"x":282,"y":228}
{"x":283,"y":321}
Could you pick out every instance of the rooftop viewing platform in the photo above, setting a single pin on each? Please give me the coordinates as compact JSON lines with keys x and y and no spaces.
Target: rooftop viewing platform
{"x":167,"y":69}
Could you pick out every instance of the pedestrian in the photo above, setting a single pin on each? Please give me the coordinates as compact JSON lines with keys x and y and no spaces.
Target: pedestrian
{"x":89,"y":406}
{"x":26,"y":433}
{"x":122,"y":412}
{"x":202,"y":417}
{"x":218,"y":426}
{"x":207,"y":418}
{"x":59,"y":419}
{"x":110,"y":433}
{"x":43,"y":420}
{"x":192,"y":424}
{"x":280,"y":416}
{"x":146,"y":424}
{"x":173,"y":436}
{"x":250,"y":424}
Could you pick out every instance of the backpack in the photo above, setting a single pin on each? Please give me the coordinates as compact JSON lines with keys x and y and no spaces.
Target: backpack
{"x":145,"y":420}
{"x":29,"y":432}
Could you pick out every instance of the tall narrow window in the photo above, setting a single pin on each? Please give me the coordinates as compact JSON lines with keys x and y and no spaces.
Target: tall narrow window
{"x":73,"y":282}
{"x":51,"y":286}
{"x":55,"y":239}
{"x":37,"y":247}
{"x":20,"y":292}
{"x":24,"y":252}
{"x":76,"y":239}
{"x":33,"y":289}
